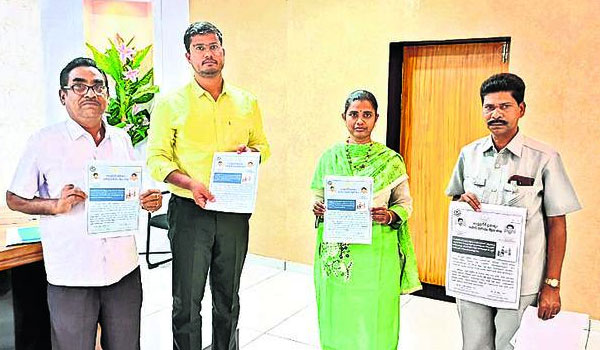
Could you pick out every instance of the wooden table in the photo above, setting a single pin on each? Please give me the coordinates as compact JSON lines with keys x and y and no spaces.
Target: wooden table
{"x":19,"y":255}
{"x":25,"y":267}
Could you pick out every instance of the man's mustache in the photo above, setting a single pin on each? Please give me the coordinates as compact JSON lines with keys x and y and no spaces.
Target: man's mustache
{"x":497,"y":122}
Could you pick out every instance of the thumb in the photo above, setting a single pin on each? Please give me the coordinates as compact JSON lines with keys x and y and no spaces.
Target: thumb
{"x":206,"y":193}
{"x":209,"y":196}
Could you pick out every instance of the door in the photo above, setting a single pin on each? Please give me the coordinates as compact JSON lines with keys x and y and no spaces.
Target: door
{"x":440,"y":112}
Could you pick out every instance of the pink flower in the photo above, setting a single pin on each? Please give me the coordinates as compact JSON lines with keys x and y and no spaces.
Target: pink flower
{"x":125,"y":53}
{"x":131,"y":74}
{"x":135,"y":109}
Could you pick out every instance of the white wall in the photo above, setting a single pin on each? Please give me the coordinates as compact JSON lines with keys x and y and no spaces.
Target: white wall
{"x":38,"y":37}
{"x":62,"y":40}
{"x":22,"y":82}
{"x":171,"y":18}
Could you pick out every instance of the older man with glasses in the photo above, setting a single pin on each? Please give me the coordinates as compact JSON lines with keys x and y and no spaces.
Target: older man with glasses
{"x":91,"y":280}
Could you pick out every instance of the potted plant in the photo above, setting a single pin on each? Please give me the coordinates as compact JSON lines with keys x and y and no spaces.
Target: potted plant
{"x":134,"y":91}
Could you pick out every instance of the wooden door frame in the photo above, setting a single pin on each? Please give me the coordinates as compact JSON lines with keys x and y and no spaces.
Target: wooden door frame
{"x":394,"y":111}
{"x":395,"y":80}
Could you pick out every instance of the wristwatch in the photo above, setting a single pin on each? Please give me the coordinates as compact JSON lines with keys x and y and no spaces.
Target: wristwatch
{"x":552,"y":282}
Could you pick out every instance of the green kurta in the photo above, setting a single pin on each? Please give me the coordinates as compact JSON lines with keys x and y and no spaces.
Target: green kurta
{"x":358,"y":286}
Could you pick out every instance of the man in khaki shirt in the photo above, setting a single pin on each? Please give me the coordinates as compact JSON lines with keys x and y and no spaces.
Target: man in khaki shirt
{"x":508,"y":168}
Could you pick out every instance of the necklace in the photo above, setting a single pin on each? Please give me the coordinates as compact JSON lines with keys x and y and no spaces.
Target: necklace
{"x":349,"y":158}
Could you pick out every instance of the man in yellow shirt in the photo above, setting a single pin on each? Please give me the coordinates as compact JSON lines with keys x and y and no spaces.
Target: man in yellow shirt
{"x":205,"y":116}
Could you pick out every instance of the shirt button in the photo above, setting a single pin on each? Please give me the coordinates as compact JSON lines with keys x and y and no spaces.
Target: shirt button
{"x":497,"y":165}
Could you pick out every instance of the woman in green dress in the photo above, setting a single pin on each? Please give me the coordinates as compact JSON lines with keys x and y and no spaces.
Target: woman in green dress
{"x":358,"y":286}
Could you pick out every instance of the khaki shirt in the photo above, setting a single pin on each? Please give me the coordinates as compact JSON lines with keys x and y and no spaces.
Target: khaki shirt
{"x":482,"y":170}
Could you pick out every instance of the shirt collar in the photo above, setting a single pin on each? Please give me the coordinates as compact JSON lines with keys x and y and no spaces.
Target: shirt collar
{"x":76,"y":131}
{"x":515,"y":146}
{"x":488,"y":146}
{"x":199,"y":91}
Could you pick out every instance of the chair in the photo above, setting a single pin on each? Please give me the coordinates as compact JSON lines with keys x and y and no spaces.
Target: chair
{"x":158,"y":221}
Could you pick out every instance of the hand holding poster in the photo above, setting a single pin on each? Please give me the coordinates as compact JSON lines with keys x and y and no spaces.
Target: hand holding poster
{"x":348,"y":201}
{"x":485,"y":254}
{"x":113,"y":203}
{"x":234,"y":182}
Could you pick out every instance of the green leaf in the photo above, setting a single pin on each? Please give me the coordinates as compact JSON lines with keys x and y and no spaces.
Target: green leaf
{"x":112,"y":112}
{"x":102,"y":60}
{"x":145,"y":79}
{"x":113,"y":119}
{"x":144,"y":98}
{"x":121,"y":94}
{"x":143,"y":114}
{"x":130,"y":41}
{"x":115,"y":62}
{"x":139,"y":57}
{"x":121,"y":125}
{"x":151,"y":89}
{"x":113,"y":105}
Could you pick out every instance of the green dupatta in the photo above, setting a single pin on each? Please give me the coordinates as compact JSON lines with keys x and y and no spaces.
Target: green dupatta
{"x":385,"y":167}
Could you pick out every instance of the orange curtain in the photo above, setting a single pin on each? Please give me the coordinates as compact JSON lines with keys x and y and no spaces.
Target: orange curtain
{"x":441,"y":112}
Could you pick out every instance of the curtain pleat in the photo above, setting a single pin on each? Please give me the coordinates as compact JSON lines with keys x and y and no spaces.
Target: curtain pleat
{"x":441,"y":112}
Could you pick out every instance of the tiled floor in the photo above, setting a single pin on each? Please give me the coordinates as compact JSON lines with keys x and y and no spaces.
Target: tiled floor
{"x":278,"y":312}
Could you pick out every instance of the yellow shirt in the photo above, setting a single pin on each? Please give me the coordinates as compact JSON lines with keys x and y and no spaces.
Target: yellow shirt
{"x":188,"y":126}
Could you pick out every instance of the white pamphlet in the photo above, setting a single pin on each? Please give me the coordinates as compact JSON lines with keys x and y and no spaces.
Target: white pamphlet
{"x":485,"y":254}
{"x":113,"y":204}
{"x":234,"y":182}
{"x":348,"y":202}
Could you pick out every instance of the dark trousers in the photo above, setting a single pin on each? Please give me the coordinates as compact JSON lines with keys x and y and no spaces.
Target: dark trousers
{"x":76,"y":311}
{"x":206,"y":242}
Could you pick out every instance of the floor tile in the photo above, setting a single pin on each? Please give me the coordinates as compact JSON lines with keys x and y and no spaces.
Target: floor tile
{"x":269,"y":342}
{"x":156,"y":284}
{"x":404,"y":299}
{"x":269,"y":303}
{"x":297,"y":267}
{"x":247,"y":336}
{"x":253,"y":259}
{"x":156,"y":331}
{"x":301,"y":327}
{"x":254,"y":273}
{"x":429,"y":324}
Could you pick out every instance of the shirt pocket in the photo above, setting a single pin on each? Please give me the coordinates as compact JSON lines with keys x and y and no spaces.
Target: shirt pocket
{"x":519,"y":196}
{"x":475,"y":185}
{"x":238,"y":129}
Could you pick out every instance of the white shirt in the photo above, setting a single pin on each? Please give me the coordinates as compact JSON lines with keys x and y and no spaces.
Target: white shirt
{"x":56,"y":156}
{"x":484,"y":171}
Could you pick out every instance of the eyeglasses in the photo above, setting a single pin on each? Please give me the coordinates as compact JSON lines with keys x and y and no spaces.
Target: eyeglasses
{"x":82,"y":89}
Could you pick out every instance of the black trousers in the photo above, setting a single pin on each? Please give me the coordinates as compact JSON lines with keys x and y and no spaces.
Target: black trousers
{"x":76,"y":311}
{"x":206,"y":243}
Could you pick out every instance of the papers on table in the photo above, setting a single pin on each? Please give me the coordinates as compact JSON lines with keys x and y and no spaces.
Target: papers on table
{"x":113,"y":205}
{"x":22,"y":235}
{"x":348,"y":201}
{"x":567,"y":330}
{"x":485,"y":254}
{"x":234,"y":182}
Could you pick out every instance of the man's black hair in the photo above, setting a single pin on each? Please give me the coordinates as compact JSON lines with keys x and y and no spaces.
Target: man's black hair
{"x":504,"y":82}
{"x":200,"y":28}
{"x":79,"y":62}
